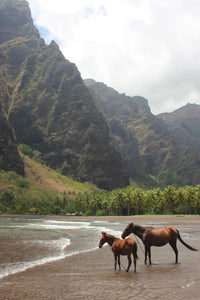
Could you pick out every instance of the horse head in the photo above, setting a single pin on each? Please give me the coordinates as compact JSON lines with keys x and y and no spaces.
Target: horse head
{"x":129,"y":228}
{"x":102,"y":239}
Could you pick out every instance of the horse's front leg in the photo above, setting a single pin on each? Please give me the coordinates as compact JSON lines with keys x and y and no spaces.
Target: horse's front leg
{"x":129,"y":262}
{"x":149,"y":252}
{"x":146,"y":251}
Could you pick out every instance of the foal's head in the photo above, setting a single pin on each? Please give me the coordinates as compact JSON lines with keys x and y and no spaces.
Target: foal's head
{"x":129,"y":228}
{"x":103,"y":239}
{"x":106,"y":238}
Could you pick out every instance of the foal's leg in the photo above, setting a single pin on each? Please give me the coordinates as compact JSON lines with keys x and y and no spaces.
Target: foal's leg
{"x":115,"y":256}
{"x":129,"y":262}
{"x":119,"y":262}
{"x":173,"y":245}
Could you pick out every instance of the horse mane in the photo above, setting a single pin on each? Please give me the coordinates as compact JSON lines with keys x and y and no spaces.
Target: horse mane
{"x":139,"y":228}
{"x":110,"y":235}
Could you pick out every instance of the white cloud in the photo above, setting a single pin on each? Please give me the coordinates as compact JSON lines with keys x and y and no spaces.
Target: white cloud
{"x":140,"y":47}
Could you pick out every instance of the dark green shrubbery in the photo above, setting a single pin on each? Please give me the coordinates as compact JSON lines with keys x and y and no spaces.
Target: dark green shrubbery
{"x":27,"y":150}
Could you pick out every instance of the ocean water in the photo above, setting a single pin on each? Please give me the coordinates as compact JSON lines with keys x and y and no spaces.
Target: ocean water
{"x":27,"y":242}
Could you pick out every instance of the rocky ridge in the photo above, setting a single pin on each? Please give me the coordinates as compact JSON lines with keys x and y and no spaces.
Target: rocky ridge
{"x":45,"y":100}
{"x":147,"y":145}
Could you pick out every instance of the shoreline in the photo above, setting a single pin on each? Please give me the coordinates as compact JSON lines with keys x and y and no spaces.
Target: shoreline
{"x":90,"y":275}
{"x":132,"y":218}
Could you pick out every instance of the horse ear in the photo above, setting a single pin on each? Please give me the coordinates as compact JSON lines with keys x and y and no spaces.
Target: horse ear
{"x":103,"y":233}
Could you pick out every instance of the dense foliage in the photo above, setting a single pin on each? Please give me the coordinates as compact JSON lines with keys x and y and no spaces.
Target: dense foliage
{"x":132,"y":201}
{"x":20,"y":197}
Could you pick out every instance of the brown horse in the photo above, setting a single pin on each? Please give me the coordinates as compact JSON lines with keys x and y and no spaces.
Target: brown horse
{"x":121,"y":247}
{"x":156,"y":237}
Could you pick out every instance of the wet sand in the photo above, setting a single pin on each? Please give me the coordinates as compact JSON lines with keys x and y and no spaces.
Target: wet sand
{"x":91,"y":275}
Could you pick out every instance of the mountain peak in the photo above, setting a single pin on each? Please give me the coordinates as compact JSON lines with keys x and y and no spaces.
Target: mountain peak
{"x":184,"y":124}
{"x":49,"y":107}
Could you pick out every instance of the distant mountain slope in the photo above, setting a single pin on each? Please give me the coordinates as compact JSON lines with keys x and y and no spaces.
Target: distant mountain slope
{"x":9,"y":156}
{"x":143,"y":139}
{"x":48,"y":105}
{"x":184,"y":124}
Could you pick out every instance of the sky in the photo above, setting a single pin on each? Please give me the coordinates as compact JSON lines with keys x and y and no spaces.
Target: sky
{"x":149,"y":48}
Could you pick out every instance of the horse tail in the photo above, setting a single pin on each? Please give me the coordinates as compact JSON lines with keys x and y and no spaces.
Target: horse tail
{"x":185,"y":244}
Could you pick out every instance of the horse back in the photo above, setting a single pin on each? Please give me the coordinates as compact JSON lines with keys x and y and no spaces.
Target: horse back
{"x":161,"y":235}
{"x":130,"y":241}
{"x":123,"y":247}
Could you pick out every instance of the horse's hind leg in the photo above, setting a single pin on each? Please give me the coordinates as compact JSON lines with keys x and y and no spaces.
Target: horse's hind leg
{"x":134,"y":260}
{"x":135,"y":257}
{"x":129,"y":262}
{"x":173,"y":245}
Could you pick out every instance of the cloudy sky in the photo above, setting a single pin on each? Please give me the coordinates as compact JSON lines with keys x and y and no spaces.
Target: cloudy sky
{"x":149,"y":48}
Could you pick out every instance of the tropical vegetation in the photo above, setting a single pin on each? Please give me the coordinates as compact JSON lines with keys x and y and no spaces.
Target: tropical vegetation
{"x":45,"y":192}
{"x":20,"y":195}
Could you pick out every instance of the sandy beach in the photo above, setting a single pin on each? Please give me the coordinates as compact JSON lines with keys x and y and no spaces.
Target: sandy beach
{"x":91,"y":275}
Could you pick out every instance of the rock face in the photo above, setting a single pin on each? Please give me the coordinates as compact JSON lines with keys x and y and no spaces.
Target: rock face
{"x":147,"y":145}
{"x":9,"y":156}
{"x":48,"y":105}
{"x":184,"y":124}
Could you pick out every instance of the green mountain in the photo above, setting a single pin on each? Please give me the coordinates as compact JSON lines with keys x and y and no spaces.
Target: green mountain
{"x":45,"y":100}
{"x":145,"y":142}
{"x":184,"y":124}
{"x":84,"y":129}
{"x":9,"y":156}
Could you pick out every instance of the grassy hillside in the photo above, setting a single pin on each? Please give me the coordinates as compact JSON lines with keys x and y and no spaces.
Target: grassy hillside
{"x":42,"y":177}
{"x":41,"y":191}
{"x":45,"y":192}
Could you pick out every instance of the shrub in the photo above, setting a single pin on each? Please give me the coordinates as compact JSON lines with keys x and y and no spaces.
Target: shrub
{"x":26,"y":150}
{"x":9,"y":176}
{"x":100,"y":212}
{"x":88,"y":213}
{"x":2,"y":208}
{"x":8,"y":197}
{"x":33,"y":210}
{"x":22,"y":183}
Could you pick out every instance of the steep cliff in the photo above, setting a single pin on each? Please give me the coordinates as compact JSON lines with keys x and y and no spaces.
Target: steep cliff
{"x":184,"y":124}
{"x":48,"y":105}
{"x":145,"y":142}
{"x":9,"y":156}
